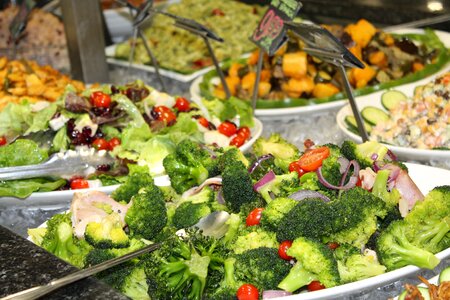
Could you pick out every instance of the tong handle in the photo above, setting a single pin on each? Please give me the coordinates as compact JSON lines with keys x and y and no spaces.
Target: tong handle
{"x":19,"y":22}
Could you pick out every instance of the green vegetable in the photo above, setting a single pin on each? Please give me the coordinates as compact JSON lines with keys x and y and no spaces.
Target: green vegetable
{"x":131,"y":186}
{"x":282,"y":186}
{"x":25,"y":187}
{"x":20,"y":153}
{"x":365,"y":154}
{"x":283,"y":151}
{"x":108,"y":233}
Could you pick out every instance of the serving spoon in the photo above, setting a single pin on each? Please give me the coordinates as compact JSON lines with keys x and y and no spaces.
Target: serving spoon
{"x":213,"y":225}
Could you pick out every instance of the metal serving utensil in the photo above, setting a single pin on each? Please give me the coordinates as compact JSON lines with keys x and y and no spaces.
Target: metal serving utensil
{"x":62,"y":164}
{"x":211,"y":225}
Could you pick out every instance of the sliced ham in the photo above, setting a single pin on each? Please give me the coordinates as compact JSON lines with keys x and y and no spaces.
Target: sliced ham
{"x":89,"y":207}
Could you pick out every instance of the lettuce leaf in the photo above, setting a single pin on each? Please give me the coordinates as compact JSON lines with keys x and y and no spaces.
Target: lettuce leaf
{"x":20,"y":153}
{"x":25,"y":187}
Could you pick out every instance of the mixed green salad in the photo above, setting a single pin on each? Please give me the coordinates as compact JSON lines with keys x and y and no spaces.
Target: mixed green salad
{"x":138,"y":125}
{"x":298,"y":221}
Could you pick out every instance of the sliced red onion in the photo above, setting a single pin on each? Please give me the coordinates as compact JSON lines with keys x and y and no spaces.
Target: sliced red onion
{"x":270,"y":294}
{"x":305,"y":194}
{"x":374,"y":156}
{"x":343,"y":162}
{"x":220,"y":198}
{"x":264,"y":180}
{"x":391,"y":155}
{"x":350,"y":184}
{"x":209,"y":150}
{"x":356,"y":168}
{"x":197,"y":189}
{"x":258,"y":162}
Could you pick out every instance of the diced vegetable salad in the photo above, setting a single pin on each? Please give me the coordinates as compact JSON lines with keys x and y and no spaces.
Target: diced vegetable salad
{"x":136,"y":124}
{"x":298,"y":221}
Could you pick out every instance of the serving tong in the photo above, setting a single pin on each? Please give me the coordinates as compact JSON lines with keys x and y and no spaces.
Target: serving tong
{"x":63,"y":164}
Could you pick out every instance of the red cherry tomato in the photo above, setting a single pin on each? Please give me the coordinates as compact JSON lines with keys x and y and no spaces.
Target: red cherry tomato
{"x":282,"y":249}
{"x":227,"y":128}
{"x":203,"y":122}
{"x":165,"y":114}
{"x":79,"y":183}
{"x":115,"y":141}
{"x":2,"y":141}
{"x":333,"y":245}
{"x":100,"y":99}
{"x":101,"y":144}
{"x":315,"y":286}
{"x":295,"y":167}
{"x":244,"y":131}
{"x":312,"y":159}
{"x":247,"y":292}
{"x":237,"y":141}
{"x":217,"y":12}
{"x":182,"y":104}
{"x":254,"y":217}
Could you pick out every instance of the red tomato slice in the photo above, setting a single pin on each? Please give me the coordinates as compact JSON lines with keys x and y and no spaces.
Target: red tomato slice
{"x":115,"y":141}
{"x":101,"y":144}
{"x":2,"y":141}
{"x":227,"y":128}
{"x":79,"y":183}
{"x":315,"y":286}
{"x":247,"y":292}
{"x":203,"y":122}
{"x":284,"y":246}
{"x":237,"y":141}
{"x":165,"y":114}
{"x":182,"y":104}
{"x":100,"y":99}
{"x":254,"y":217}
{"x":312,"y":159}
{"x":244,"y":131}
{"x":295,"y":167}
{"x":333,"y":245}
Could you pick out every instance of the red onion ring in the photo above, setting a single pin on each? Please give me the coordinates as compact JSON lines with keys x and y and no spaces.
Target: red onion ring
{"x":343,"y":162}
{"x":305,"y":194}
{"x":356,"y":168}
{"x":258,"y":162}
{"x":351,"y":182}
{"x":391,"y":155}
{"x":269,"y":294}
{"x":197,"y":189}
{"x":264,"y":180}
{"x":374,"y":156}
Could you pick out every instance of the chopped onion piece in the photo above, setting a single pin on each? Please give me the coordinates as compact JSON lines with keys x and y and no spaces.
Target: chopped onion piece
{"x":258,"y":162}
{"x":356,"y":168}
{"x":197,"y":189}
{"x":351,"y":182}
{"x":269,"y":294}
{"x":304,"y":194}
{"x":343,"y":162}
{"x":264,"y":180}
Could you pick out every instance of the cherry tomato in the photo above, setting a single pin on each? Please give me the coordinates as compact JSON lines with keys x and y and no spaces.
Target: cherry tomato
{"x":312,"y":159}
{"x":244,"y":131}
{"x":100,"y":99}
{"x":182,"y":104}
{"x":2,"y":141}
{"x":247,"y":292}
{"x":227,"y":128}
{"x":315,"y":286}
{"x":115,"y":141}
{"x":217,"y":12}
{"x":101,"y":144}
{"x":203,"y":122}
{"x":237,"y":141}
{"x":254,"y":217}
{"x":165,"y":114}
{"x":333,"y":245}
{"x":295,"y":167}
{"x":282,"y":249}
{"x":79,"y":183}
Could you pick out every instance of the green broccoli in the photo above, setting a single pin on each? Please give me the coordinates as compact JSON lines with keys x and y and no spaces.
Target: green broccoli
{"x":228,"y":285}
{"x":282,"y":186}
{"x":261,"y":267}
{"x":274,"y":212}
{"x":237,"y":186}
{"x":394,"y":250}
{"x":365,"y":154}
{"x":316,"y":221}
{"x":429,"y":221}
{"x":283,"y":151}
{"x":254,"y":237}
{"x":189,"y":213}
{"x":131,"y":186}
{"x":60,"y":241}
{"x":147,"y":215}
{"x":379,"y":189}
{"x":354,"y":266}
{"x":356,"y":215}
{"x":310,"y":181}
{"x":98,"y":255}
{"x":262,"y":167}
{"x":108,"y":233}
{"x":235,"y":225}
{"x":330,"y":166}
{"x":315,"y":261}
{"x":189,"y":166}
{"x":231,"y":154}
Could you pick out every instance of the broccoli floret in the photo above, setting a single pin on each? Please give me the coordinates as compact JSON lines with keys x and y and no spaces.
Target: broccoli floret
{"x":98,"y":255}
{"x":274,"y":212}
{"x":379,"y":189}
{"x":230,"y":155}
{"x":316,"y":220}
{"x":237,"y":186}
{"x":254,"y":237}
{"x":310,"y":181}
{"x":228,"y":286}
{"x":315,"y":261}
{"x":60,"y":241}
{"x":263,"y":166}
{"x":330,"y":166}
{"x":189,"y":166}
{"x":355,"y":218}
{"x":261,"y":267}
{"x":429,"y":221}
{"x":395,"y":250}
{"x":354,"y":266}
{"x":365,"y":154}
{"x":131,"y":186}
{"x":235,"y":225}
{"x":147,"y":215}
{"x":282,"y":186}
{"x":283,"y":151}
{"x":189,"y":213}
{"x":108,"y":233}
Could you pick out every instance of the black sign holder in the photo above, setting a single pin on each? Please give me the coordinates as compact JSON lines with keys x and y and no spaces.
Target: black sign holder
{"x":323,"y":45}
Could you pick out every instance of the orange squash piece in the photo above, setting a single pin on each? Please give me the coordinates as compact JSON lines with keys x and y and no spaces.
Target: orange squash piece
{"x":264,"y":88}
{"x":265,"y":75}
{"x":248,"y":81}
{"x":417,"y":66}
{"x":361,"y":32}
{"x":253,"y":58}
{"x":362,"y":76}
{"x":300,"y":86}
{"x":232,"y":83}
{"x":378,"y":58}
{"x":295,"y":64}
{"x":233,"y":71}
{"x":324,"y":90}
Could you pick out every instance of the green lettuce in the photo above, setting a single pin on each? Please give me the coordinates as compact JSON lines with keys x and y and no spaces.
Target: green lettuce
{"x":25,"y":187}
{"x":22,"y":152}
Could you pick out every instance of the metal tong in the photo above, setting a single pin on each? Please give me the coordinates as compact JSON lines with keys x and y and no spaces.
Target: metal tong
{"x":18,"y":24}
{"x":62,"y":164}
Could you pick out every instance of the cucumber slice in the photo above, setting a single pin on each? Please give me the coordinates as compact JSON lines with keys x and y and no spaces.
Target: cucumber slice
{"x":445,"y":275}
{"x":391,"y":99}
{"x":423,"y":291}
{"x":351,"y":122}
{"x":374,"y":115}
